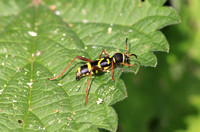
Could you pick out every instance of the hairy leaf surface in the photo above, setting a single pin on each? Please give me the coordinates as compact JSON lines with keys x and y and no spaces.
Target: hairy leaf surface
{"x":40,"y":38}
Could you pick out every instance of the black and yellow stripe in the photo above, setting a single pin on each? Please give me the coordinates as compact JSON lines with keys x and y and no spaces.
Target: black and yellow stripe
{"x":104,"y":63}
{"x":123,"y":58}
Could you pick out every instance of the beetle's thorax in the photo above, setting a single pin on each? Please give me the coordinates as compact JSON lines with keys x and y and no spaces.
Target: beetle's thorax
{"x":120,"y":58}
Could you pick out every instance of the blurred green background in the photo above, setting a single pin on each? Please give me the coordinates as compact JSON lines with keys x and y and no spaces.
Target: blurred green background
{"x":167,"y":98}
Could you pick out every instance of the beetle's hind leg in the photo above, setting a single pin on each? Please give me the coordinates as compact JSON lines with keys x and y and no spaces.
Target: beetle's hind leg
{"x":79,"y":57}
{"x":91,"y":70}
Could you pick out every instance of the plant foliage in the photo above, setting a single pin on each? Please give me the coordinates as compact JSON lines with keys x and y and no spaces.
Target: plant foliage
{"x":40,"y":38}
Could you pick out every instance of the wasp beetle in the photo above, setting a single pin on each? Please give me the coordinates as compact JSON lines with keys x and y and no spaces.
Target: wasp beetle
{"x":99,"y":65}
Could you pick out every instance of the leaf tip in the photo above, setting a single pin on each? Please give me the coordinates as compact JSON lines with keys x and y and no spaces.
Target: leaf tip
{"x":155,"y":64}
{"x":167,"y":50}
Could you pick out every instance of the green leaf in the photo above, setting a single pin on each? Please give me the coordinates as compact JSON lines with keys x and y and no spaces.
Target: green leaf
{"x":193,"y":120}
{"x":157,"y":2}
{"x":37,"y":42}
{"x":192,"y":9}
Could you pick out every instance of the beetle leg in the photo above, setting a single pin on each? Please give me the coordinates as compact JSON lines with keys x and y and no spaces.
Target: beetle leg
{"x":103,"y":51}
{"x":79,"y":57}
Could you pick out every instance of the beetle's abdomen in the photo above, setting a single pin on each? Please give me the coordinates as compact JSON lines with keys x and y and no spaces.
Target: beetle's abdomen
{"x":85,"y":69}
{"x":103,"y":63}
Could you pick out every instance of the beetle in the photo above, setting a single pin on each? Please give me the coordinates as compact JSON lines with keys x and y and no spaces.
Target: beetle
{"x":101,"y":64}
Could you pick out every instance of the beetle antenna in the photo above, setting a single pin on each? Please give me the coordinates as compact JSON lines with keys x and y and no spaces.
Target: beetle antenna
{"x":126,"y":45}
{"x":133,"y":55}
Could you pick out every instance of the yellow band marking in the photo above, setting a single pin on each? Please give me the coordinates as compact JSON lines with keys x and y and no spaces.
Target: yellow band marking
{"x":89,"y":73}
{"x":123,"y":58}
{"x":114,"y":59}
{"x":108,"y":61}
{"x":106,"y":68}
{"x":99,"y":63}
{"x":89,"y":66}
{"x":79,"y":70}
